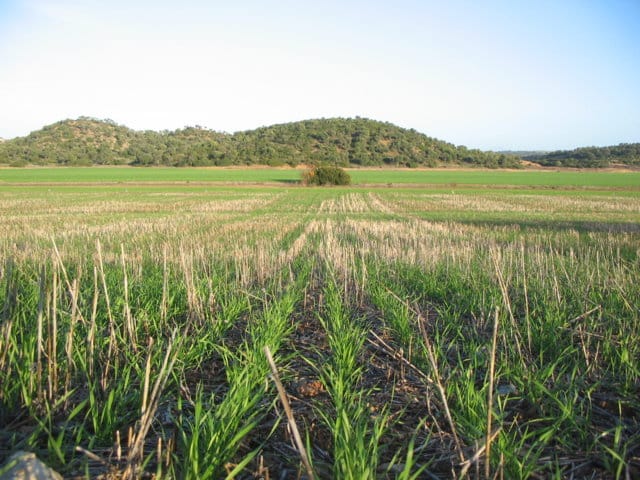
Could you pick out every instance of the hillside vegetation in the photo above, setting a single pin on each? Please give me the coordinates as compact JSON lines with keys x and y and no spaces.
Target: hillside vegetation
{"x":622,"y":154}
{"x":338,"y":141}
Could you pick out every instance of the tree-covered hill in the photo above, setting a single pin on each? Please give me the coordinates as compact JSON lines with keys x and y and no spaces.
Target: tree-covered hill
{"x":87,"y":141}
{"x":588,"y":157}
{"x":338,"y":141}
{"x":356,"y":142}
{"x":71,"y":142}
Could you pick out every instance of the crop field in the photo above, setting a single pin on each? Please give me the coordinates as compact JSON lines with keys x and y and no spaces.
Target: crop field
{"x":624,"y":180}
{"x":281,"y":332}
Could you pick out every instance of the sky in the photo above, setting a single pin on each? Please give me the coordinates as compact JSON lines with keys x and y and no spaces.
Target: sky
{"x":492,"y":74}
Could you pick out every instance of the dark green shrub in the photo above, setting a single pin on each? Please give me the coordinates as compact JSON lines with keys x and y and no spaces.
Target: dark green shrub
{"x":19,"y":163}
{"x":326,"y":175}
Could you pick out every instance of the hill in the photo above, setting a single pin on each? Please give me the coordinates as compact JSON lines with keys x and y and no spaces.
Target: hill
{"x":341,"y":141}
{"x":356,"y":142}
{"x":627,"y":154}
{"x":88,"y":141}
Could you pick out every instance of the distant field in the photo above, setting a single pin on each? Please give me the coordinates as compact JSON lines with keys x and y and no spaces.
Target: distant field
{"x":552,"y":179}
{"x":135,"y":175}
{"x":501,"y":177}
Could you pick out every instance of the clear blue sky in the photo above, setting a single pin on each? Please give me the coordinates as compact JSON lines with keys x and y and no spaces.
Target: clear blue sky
{"x":489,"y":74}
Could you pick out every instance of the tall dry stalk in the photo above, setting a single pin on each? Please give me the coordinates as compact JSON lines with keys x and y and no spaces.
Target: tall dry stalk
{"x":52,"y":354}
{"x":131,"y":331}
{"x":492,"y":368}
{"x":196,"y":310}
{"x":69,"y":342}
{"x":438,"y":382}
{"x":287,"y":408}
{"x":92,"y":324}
{"x":112,"y":328}
{"x":527,"y":318}
{"x":6,"y":318}
{"x":149,"y":407}
{"x":165,"y":285}
{"x":147,"y":376}
{"x":39,"y":334}
{"x":507,"y":303}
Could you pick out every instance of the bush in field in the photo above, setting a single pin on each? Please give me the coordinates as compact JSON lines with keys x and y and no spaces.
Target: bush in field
{"x":326,"y":175}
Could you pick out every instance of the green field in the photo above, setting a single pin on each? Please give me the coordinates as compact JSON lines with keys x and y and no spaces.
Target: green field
{"x":449,"y":178}
{"x":418,"y":331}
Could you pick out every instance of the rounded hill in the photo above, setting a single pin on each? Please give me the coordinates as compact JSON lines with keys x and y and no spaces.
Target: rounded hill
{"x":357,"y":142}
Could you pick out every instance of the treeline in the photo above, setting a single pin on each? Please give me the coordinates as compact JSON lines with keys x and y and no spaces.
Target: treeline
{"x":590,"y":157}
{"x":337,"y":141}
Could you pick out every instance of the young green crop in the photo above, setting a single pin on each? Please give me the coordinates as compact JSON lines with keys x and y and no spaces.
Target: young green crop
{"x":451,"y":178}
{"x":133,"y":320}
{"x":356,"y":436}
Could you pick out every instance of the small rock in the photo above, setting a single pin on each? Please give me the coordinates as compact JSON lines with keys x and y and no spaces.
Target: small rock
{"x":26,"y":466}
{"x":507,"y":389}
